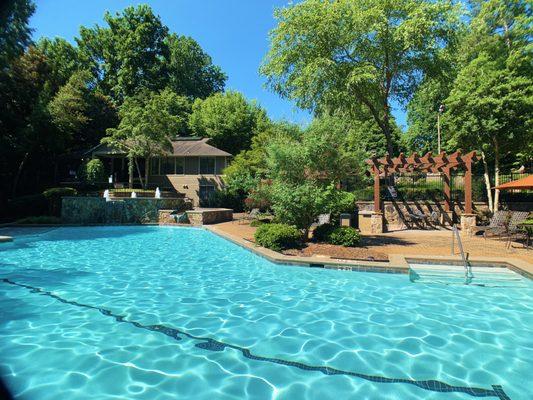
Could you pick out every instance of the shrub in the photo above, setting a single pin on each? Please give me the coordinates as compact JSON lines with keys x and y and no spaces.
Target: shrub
{"x":41,"y":219}
{"x":94,"y":171}
{"x":225,"y":199}
{"x":322,"y":232}
{"x":278,"y":237}
{"x":345,"y":236}
{"x":258,"y":222}
{"x":53,"y":195}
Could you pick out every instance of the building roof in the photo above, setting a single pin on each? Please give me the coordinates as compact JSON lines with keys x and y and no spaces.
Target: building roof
{"x":181,"y":147}
{"x":195,"y":147}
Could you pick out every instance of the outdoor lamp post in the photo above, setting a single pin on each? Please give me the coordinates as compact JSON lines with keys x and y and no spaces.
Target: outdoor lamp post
{"x":441,"y":110}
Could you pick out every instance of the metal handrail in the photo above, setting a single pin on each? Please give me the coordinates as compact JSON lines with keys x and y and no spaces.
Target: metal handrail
{"x":468,"y":268}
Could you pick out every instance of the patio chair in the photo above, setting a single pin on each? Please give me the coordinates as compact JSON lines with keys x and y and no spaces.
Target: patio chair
{"x":435,"y":217}
{"x":416,"y":217}
{"x":250,"y":216}
{"x":322,"y":219}
{"x":512,"y":229}
{"x":497,"y":224}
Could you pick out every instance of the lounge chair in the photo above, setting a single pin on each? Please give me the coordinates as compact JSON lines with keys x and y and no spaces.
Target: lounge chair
{"x":512,"y":229}
{"x":497,"y":224}
{"x":416,"y":217}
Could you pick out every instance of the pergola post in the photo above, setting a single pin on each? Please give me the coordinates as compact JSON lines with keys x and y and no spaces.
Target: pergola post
{"x":468,"y":186}
{"x":447,"y":190}
{"x":377,"y":190}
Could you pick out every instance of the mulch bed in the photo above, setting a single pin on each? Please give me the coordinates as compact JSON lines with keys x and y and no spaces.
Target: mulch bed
{"x":340,"y":252}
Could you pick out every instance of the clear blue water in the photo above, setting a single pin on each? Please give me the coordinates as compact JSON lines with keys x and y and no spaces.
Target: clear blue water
{"x":168,"y":313}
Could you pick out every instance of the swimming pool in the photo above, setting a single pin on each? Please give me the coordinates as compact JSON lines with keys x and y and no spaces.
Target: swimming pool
{"x":166,"y":313}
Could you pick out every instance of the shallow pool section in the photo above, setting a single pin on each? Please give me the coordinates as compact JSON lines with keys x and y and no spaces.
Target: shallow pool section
{"x":166,"y":313}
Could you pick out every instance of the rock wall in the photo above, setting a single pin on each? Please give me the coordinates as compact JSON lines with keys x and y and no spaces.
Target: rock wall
{"x":209,"y":216}
{"x":96,"y":210}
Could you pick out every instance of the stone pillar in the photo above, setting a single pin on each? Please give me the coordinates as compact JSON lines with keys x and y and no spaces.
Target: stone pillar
{"x":377,"y":223}
{"x":468,"y":221}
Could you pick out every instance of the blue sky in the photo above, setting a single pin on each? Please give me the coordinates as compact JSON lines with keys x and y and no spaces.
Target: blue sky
{"x":233,"y":32}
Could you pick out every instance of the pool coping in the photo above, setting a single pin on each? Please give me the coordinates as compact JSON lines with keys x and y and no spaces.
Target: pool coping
{"x":397,"y":264}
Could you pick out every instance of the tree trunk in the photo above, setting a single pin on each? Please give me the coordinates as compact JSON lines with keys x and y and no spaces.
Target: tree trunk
{"x":496,"y":174}
{"x":146,"y":171}
{"x":387,"y":130}
{"x":487,"y":181}
{"x":19,"y":172}
{"x":139,"y":172}
{"x":130,"y":172}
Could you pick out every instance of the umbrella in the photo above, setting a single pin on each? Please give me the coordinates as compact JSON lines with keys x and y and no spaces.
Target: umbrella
{"x":524,"y":183}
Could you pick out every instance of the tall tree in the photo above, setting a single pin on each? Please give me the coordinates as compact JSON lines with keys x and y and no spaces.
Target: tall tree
{"x":148,"y":122}
{"x":15,"y":34}
{"x":129,"y":54}
{"x":491,"y":104}
{"x":190,"y":70}
{"x":362,"y":52}
{"x":228,"y":119}
{"x":62,"y":59}
{"x":81,"y":114}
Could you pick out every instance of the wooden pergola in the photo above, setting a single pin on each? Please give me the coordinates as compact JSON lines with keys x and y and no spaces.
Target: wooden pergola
{"x":440,"y":163}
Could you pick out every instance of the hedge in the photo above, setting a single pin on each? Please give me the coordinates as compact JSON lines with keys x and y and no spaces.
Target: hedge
{"x":278,"y":237}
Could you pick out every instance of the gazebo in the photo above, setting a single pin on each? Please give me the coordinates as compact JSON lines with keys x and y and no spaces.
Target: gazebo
{"x":441,"y":163}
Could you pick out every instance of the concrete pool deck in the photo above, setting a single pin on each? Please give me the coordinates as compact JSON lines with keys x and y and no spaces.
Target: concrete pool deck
{"x":400,"y":247}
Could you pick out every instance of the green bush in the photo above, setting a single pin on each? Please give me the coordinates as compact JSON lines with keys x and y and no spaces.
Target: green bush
{"x":225,"y":199}
{"x":278,"y":237}
{"x":257,"y":222}
{"x":322,"y":232}
{"x":54,"y":195}
{"x":94,"y":171}
{"x":345,"y":236}
{"x":41,"y":219}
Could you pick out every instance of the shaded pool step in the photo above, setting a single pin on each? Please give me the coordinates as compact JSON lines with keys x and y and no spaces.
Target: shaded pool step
{"x":455,"y":274}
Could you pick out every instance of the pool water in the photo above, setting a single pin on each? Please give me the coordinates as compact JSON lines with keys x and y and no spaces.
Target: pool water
{"x":180,"y":313}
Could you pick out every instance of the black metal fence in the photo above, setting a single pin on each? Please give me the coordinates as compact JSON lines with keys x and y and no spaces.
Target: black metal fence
{"x":421,"y":186}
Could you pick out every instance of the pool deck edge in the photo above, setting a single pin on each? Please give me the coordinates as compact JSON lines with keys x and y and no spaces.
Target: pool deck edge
{"x":398,"y":263}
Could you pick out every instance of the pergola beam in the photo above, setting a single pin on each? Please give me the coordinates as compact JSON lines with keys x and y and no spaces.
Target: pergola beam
{"x":440,"y":163}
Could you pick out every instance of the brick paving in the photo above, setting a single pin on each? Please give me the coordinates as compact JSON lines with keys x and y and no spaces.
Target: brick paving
{"x":415,"y":242}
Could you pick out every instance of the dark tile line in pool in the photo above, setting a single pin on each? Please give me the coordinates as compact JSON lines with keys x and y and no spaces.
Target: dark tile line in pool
{"x":214,"y":345}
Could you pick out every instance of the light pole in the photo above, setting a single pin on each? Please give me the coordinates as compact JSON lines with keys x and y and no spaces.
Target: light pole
{"x":441,"y":110}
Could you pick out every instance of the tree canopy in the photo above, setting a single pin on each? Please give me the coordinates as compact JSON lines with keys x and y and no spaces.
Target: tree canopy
{"x":228,"y":119}
{"x":364,"y":53}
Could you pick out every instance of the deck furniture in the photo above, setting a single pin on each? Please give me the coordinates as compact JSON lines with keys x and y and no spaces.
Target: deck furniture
{"x":496,"y":224}
{"x":250,"y":216}
{"x":417,"y":217}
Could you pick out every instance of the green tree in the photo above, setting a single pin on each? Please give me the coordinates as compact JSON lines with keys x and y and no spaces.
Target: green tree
{"x":129,"y":54}
{"x":249,"y":167}
{"x":15,"y":34}
{"x":25,"y":129}
{"x":81,"y":114}
{"x":305,"y":173}
{"x":62,"y":60}
{"x":228,"y":119}
{"x":148,"y":122}
{"x":191,"y":72}
{"x":490,"y":107}
{"x":357,"y":53}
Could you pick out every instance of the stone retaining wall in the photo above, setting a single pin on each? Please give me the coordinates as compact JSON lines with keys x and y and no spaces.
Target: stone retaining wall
{"x":209,"y":216}
{"x":395,"y":211}
{"x":96,"y":210}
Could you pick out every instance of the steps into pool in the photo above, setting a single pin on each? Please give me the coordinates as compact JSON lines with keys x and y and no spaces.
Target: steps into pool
{"x":455,"y":275}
